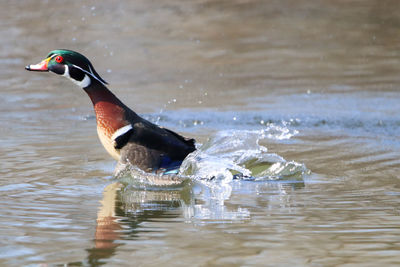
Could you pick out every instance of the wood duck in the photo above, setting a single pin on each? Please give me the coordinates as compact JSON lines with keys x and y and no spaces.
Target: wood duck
{"x":126,"y":136}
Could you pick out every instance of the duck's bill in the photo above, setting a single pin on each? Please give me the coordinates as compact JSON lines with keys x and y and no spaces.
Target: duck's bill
{"x":42,"y":66}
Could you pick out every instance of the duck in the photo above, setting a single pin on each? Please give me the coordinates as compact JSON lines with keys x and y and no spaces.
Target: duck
{"x":126,"y":136}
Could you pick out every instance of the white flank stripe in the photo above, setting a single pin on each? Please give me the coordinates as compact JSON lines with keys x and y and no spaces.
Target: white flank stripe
{"x":121,"y":131}
{"x":84,"y":83}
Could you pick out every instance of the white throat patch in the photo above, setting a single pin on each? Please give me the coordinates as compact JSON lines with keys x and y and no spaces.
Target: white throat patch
{"x":84,"y":83}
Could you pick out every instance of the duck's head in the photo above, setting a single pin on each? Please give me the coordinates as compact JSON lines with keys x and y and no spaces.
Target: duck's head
{"x":70,"y":64}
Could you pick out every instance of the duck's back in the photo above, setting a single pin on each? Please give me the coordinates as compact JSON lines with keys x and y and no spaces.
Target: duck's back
{"x":151,"y":147}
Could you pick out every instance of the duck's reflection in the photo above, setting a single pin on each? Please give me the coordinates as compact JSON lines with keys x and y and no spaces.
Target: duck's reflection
{"x":107,"y":227}
{"x":124,"y":209}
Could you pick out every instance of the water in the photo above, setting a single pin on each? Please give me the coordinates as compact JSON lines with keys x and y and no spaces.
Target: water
{"x":310,"y":90}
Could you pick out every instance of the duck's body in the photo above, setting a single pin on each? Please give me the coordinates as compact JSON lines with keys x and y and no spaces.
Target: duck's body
{"x":126,"y":136}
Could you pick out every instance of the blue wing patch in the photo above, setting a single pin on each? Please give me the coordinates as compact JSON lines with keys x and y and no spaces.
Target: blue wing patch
{"x":168,"y":166}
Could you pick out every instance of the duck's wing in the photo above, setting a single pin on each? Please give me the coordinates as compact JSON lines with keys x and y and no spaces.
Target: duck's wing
{"x":148,"y":146}
{"x":161,"y":139}
{"x":190,"y":142}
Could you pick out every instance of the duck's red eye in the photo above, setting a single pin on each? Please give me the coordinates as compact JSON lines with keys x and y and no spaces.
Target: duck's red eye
{"x":59,"y":59}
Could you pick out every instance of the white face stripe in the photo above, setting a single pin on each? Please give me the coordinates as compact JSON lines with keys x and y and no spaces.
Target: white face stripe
{"x":84,"y":83}
{"x":90,"y":70}
{"x":121,"y":131}
{"x":90,"y":73}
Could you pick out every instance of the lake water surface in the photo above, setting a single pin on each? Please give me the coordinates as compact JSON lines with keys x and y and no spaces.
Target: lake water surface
{"x":312,"y":87}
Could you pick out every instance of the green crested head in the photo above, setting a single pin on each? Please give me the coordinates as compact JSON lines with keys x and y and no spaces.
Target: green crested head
{"x":70,"y":64}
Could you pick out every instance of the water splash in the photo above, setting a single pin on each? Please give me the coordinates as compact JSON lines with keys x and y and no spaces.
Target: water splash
{"x":237,"y":154}
{"x":280,"y":132}
{"x":130,"y":175}
{"x":228,"y":155}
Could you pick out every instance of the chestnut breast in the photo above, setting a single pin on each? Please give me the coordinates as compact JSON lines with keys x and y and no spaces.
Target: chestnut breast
{"x":110,"y":117}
